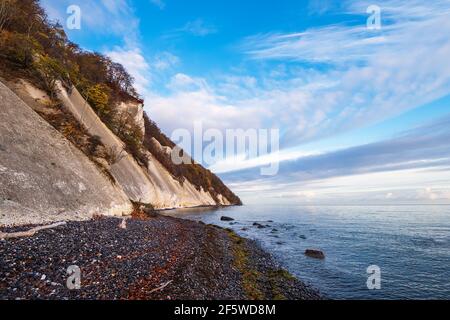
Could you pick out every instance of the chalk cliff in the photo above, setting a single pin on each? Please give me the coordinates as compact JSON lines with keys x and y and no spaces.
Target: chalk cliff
{"x":45,"y":178}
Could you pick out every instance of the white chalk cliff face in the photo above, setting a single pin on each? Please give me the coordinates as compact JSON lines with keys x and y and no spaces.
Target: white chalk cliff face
{"x":34,"y":191}
{"x":135,"y":110}
{"x":43,"y":177}
{"x":153,"y":185}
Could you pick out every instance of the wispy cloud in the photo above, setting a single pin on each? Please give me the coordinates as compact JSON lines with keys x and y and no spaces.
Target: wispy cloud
{"x":320,"y":7}
{"x":159,"y":3}
{"x":334,"y":44}
{"x":407,"y":164}
{"x":376,"y":72}
{"x":116,"y":17}
{"x":197,"y":28}
{"x":425,"y":146}
{"x":165,"y":61}
{"x":369,"y":76}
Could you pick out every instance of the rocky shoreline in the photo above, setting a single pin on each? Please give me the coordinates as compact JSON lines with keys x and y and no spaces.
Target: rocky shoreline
{"x":158,"y":258}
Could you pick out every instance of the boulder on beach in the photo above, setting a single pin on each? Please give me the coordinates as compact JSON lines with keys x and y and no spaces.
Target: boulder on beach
{"x":226,"y":219}
{"x":316,"y":254}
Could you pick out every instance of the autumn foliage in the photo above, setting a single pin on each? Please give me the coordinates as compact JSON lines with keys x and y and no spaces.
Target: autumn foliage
{"x":34,"y":48}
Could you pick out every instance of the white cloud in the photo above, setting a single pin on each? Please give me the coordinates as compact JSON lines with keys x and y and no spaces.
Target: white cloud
{"x":406,"y":186}
{"x":165,"y":60}
{"x":182,"y":82}
{"x":199,"y":28}
{"x":190,"y":101}
{"x":242,"y":162}
{"x":433,"y":194}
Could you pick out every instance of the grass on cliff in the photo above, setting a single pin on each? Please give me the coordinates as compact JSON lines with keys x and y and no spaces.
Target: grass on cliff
{"x":257,"y":284}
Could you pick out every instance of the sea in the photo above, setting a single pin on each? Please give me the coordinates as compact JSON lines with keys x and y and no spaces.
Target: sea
{"x":372,"y":252}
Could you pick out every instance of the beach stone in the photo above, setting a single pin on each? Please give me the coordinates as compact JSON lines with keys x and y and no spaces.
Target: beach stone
{"x":224,"y":218}
{"x":316,"y":254}
{"x":259,"y":226}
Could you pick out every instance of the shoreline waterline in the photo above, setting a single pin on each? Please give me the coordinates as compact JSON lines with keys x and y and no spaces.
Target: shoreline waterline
{"x":410,"y":244}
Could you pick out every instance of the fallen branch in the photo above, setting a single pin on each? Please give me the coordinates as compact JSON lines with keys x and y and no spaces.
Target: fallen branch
{"x":161,"y":288}
{"x":31,"y":232}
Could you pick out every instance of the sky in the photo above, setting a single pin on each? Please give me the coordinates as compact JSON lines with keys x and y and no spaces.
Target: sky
{"x":363,"y":113}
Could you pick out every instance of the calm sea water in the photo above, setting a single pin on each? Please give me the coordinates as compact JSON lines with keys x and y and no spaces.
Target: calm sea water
{"x":411,"y":245}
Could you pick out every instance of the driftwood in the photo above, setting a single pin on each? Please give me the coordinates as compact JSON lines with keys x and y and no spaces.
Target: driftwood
{"x":161,"y":288}
{"x":30,"y":232}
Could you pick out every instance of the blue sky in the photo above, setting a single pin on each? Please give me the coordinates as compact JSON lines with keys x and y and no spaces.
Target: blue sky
{"x":363,"y":113}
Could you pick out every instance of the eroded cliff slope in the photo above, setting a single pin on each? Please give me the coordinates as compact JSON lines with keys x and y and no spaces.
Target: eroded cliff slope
{"x":79,"y":120}
{"x":45,"y":178}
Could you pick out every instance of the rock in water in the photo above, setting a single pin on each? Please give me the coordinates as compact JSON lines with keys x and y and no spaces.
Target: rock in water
{"x":259,"y":226}
{"x":226,"y":219}
{"x":316,"y":254}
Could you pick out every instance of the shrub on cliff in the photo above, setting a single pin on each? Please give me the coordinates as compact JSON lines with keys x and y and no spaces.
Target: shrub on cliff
{"x":98,"y":97}
{"x":126,"y":128}
{"x":18,"y":49}
{"x":6,"y":12}
{"x":49,"y":70}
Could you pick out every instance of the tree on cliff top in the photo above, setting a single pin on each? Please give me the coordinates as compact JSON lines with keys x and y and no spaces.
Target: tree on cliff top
{"x":39,"y":50}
